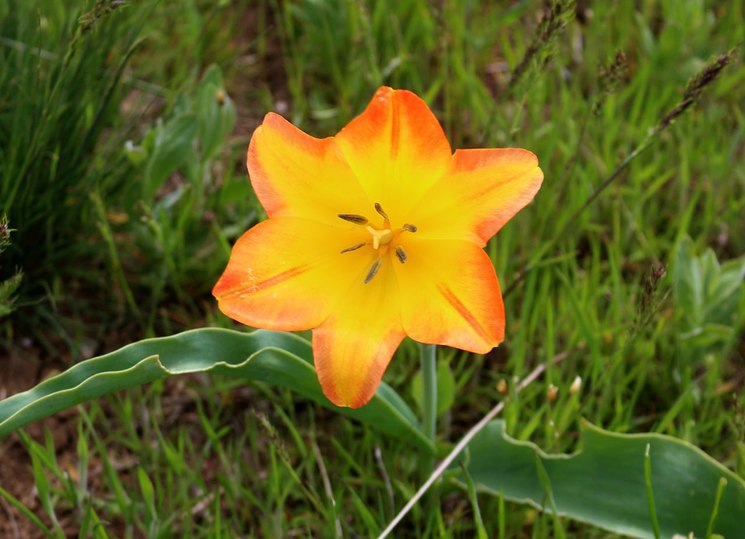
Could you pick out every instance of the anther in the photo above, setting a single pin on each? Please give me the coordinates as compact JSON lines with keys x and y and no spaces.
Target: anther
{"x":401,"y":254}
{"x":353,"y":218}
{"x":373,"y":271}
{"x":379,"y":209}
{"x":409,"y":228}
{"x":353,"y":248}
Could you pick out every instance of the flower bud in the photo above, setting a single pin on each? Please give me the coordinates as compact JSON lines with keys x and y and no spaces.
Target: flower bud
{"x":576,"y":385}
{"x":220,"y":96}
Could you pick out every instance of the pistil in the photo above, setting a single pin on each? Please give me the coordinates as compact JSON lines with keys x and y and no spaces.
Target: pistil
{"x":380,"y":237}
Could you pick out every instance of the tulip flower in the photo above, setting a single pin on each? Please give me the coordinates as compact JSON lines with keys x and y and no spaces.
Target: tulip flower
{"x":372,"y":235}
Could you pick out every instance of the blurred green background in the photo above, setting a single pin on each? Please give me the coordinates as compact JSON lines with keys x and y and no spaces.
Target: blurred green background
{"x":123,"y":132}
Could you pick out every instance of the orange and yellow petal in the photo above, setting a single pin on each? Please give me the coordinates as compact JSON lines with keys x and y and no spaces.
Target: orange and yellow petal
{"x":450,"y":295}
{"x":286,"y":273}
{"x":296,"y":175}
{"x":396,"y":148}
{"x":353,"y":347}
{"x":484,"y":189}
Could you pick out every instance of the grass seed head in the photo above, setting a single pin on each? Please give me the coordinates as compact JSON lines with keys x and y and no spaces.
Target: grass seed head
{"x":695,"y":87}
{"x":100,"y":11}
{"x":5,"y":231}
{"x":557,"y":15}
{"x":610,"y":77}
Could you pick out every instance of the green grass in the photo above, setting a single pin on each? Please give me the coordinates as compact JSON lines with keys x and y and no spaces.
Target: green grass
{"x":60,"y":92}
{"x":202,"y":457}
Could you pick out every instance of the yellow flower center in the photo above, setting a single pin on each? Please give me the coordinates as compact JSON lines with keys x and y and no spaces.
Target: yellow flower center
{"x":381,"y":238}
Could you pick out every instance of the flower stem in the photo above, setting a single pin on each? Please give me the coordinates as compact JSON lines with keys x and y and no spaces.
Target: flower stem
{"x":478,"y":427}
{"x":428,"y":357}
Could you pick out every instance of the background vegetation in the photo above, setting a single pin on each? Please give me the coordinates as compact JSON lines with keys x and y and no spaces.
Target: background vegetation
{"x":123,"y":129}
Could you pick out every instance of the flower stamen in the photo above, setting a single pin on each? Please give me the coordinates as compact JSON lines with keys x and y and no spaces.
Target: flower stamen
{"x":379,"y":209}
{"x":353,"y":218}
{"x":381,"y":238}
{"x":353,"y":248}
{"x":373,"y":271}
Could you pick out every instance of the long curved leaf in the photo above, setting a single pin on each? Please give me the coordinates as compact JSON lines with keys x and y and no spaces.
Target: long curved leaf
{"x":604,"y":484}
{"x":281,"y":359}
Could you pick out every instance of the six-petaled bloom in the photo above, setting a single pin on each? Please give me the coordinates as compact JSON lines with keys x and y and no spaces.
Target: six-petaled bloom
{"x":374,"y":234}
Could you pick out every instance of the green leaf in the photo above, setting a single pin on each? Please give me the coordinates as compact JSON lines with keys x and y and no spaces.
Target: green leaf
{"x":707,"y":292}
{"x":604,"y":482}
{"x":148,"y":491}
{"x":283,"y":359}
{"x":8,"y":287}
{"x":216,"y":113}
{"x":173,"y":148}
{"x":137,"y":155}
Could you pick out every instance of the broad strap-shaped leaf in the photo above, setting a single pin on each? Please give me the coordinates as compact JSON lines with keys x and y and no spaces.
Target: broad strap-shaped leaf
{"x":603,"y":483}
{"x":282,"y":359}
